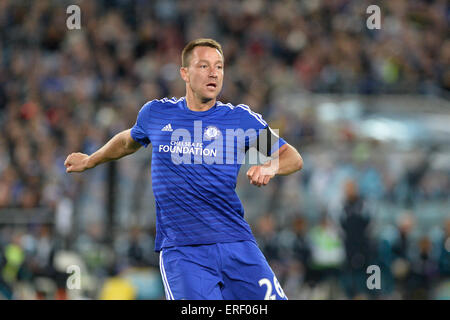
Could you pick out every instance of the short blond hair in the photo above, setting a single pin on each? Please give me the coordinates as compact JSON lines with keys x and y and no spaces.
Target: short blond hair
{"x":201,"y":42}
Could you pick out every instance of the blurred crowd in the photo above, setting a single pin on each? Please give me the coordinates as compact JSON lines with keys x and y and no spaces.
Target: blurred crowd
{"x":334,"y":259}
{"x":63,"y":91}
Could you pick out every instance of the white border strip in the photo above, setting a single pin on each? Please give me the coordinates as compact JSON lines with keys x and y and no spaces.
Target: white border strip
{"x":255,"y":115}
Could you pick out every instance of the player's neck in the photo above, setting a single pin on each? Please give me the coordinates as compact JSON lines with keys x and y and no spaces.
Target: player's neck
{"x":195,"y":103}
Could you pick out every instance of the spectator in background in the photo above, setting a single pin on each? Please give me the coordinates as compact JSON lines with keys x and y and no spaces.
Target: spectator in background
{"x":327,"y":255}
{"x":300,"y":263}
{"x":10,"y":262}
{"x":266,"y":237}
{"x":444,"y":252}
{"x":424,"y":271}
{"x":14,"y":258}
{"x":301,"y":248}
{"x":41,"y":264}
{"x":140,"y":249}
{"x":355,"y":222}
{"x":98,"y":257}
{"x":414,"y":176}
{"x":401,"y":251}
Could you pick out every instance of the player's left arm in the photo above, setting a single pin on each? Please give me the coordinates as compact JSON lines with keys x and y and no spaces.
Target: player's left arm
{"x":285,"y":160}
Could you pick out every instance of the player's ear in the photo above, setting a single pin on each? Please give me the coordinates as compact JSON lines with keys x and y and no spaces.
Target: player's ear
{"x":184,"y":73}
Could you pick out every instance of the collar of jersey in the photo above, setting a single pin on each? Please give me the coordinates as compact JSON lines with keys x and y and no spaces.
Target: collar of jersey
{"x":198,"y":113}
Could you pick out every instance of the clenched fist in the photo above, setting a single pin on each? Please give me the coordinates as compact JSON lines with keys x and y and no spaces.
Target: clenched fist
{"x":261,"y":175}
{"x":76,"y":162}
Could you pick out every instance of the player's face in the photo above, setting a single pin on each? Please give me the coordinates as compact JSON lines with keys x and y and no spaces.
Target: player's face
{"x":204,"y":76}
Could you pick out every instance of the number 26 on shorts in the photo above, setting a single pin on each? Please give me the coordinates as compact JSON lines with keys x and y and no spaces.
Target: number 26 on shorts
{"x":266,"y":282}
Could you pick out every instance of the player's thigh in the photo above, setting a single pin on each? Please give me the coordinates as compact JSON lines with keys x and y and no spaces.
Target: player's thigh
{"x":247,"y":275}
{"x":186,"y":278}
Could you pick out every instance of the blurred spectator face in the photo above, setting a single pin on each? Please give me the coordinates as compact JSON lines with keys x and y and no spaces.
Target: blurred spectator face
{"x":204,"y":75}
{"x":266,"y":225}
{"x":406,"y":222}
{"x":425,"y":245}
{"x":325,"y":221}
{"x":351,"y":190}
{"x":447,"y":227}
{"x":300,"y":225}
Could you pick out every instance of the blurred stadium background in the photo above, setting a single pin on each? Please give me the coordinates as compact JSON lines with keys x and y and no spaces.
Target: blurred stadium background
{"x":368,"y":110}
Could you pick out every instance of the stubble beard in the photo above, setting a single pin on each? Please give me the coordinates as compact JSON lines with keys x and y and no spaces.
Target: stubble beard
{"x":203,"y":98}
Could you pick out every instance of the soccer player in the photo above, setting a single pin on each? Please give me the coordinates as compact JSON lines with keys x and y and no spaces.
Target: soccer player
{"x":207,"y":250}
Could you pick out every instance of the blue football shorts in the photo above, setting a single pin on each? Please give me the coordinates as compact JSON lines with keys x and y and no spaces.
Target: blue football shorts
{"x":220,"y":271}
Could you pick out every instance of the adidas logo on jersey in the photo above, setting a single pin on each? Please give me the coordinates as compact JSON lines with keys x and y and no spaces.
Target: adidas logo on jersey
{"x":168,"y":127}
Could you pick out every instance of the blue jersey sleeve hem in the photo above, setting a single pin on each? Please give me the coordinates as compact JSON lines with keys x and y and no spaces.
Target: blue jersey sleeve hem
{"x":139,"y":137}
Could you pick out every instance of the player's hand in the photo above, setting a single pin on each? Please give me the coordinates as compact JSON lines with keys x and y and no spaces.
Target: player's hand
{"x":76,"y":162}
{"x":261,"y":175}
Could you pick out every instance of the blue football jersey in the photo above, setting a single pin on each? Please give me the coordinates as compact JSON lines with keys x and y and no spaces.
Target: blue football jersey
{"x":196,"y":159}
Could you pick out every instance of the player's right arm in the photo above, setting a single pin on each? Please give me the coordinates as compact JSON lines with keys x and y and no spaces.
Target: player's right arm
{"x":122,"y":144}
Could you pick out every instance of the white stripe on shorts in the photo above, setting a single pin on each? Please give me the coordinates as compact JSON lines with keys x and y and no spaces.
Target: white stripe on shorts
{"x":169,"y":295}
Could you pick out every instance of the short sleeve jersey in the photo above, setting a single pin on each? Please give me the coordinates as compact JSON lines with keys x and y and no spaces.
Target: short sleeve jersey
{"x":196,"y":159}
